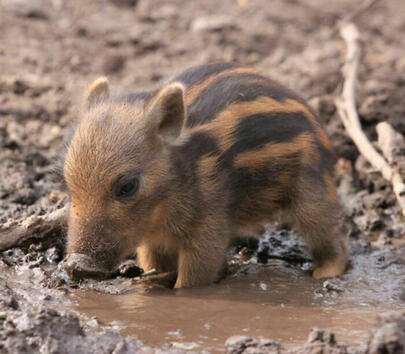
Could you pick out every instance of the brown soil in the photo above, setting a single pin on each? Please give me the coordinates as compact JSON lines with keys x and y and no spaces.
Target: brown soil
{"x":50,"y":50}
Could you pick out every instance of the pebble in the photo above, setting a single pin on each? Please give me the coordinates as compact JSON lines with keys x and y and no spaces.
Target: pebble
{"x":113,"y":64}
{"x":177,"y":334}
{"x":129,"y":269}
{"x":332,"y":287}
{"x":213,"y":23}
{"x":28,"y":8}
{"x":237,"y":340}
{"x":185,"y":345}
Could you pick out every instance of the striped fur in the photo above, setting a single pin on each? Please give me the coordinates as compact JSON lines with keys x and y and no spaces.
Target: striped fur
{"x":248,"y":150}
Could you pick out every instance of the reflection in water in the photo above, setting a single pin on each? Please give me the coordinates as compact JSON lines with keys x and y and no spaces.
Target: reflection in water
{"x":271,"y":301}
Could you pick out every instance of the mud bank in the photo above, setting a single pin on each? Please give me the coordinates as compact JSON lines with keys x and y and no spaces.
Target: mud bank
{"x":267,"y":293}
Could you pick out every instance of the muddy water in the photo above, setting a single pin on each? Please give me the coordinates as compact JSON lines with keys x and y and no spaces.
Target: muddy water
{"x":272,"y":301}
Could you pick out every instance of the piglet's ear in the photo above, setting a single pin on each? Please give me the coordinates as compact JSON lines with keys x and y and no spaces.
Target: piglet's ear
{"x":97,"y":92}
{"x":166,"y":114}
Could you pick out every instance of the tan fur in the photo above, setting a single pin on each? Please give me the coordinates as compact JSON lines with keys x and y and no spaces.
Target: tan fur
{"x":330,"y":269}
{"x":97,"y":91}
{"x":332,"y":193}
{"x":304,"y":142}
{"x":227,"y":120}
{"x":321,"y":133}
{"x":181,"y":217}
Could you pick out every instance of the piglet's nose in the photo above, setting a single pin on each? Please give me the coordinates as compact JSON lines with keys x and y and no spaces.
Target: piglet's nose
{"x":80,"y":266}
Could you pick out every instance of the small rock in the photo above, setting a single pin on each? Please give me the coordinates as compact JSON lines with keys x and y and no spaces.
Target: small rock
{"x":388,"y":334}
{"x":35,"y":247}
{"x":185,"y":345}
{"x":28,"y":8}
{"x":245,"y":253}
{"x":177,"y":334}
{"x":320,"y":342}
{"x":245,"y":344}
{"x":37,"y":262}
{"x":374,"y":200}
{"x":213,"y":23}
{"x":374,"y":221}
{"x":383,"y":240}
{"x":316,"y":335}
{"x":114,"y":64}
{"x":263,"y":286}
{"x":115,"y":39}
{"x":328,"y":285}
{"x":52,"y":255}
{"x":93,"y":322}
{"x":12,"y":303}
{"x":121,"y":348}
{"x":129,"y":269}
{"x":207,"y":326}
{"x":236,"y":341}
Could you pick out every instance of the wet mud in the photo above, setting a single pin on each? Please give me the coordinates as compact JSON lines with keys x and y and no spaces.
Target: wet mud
{"x":256,"y":299}
{"x":263,"y":296}
{"x":268,"y":303}
{"x":275,"y":302}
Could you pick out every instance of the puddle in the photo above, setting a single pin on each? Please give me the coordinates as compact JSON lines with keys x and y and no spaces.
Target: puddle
{"x":271,"y":301}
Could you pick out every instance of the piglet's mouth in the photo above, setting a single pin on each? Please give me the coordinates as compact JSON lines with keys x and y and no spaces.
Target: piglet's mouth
{"x":79,"y":266}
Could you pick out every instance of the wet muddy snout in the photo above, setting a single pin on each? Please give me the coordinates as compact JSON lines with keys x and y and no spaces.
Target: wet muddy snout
{"x":94,"y":247}
{"x":80,"y":266}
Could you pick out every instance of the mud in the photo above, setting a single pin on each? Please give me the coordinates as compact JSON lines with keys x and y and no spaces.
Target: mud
{"x":256,"y":299}
{"x":50,"y":50}
{"x":263,"y":296}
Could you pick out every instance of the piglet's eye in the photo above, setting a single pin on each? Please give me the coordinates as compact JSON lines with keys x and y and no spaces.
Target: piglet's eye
{"x":125,"y":187}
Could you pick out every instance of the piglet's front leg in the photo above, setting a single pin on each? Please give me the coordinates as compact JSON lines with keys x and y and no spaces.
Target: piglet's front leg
{"x":201,"y":265}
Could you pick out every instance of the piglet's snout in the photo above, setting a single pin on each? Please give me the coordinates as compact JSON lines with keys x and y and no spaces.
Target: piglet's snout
{"x":80,"y":266}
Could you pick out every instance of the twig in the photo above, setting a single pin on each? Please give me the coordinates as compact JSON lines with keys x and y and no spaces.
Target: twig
{"x":15,"y":233}
{"x":346,"y":105}
{"x":148,"y":273}
{"x":389,"y":141}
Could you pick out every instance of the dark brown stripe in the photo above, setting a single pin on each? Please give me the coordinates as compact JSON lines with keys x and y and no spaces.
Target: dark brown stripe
{"x":193,"y":91}
{"x":226,"y":90}
{"x":197,"y":74}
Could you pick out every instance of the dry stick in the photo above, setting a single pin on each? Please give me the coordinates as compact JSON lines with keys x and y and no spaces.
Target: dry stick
{"x":14,"y":233}
{"x":346,"y":105}
{"x":389,"y":140}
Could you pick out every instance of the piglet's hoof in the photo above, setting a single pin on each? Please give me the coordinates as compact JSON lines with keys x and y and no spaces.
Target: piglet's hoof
{"x":162,"y":280}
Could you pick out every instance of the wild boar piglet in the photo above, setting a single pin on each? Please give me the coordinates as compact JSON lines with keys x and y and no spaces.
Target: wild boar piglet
{"x":174,"y":174}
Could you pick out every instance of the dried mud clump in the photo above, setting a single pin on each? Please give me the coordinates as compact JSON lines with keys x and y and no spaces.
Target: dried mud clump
{"x":386,"y":337}
{"x":388,"y":334}
{"x":246,"y":344}
{"x":318,"y":342}
{"x":48,"y":331}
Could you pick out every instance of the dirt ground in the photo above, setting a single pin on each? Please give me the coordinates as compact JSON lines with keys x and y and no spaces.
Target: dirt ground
{"x":51,"y":49}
